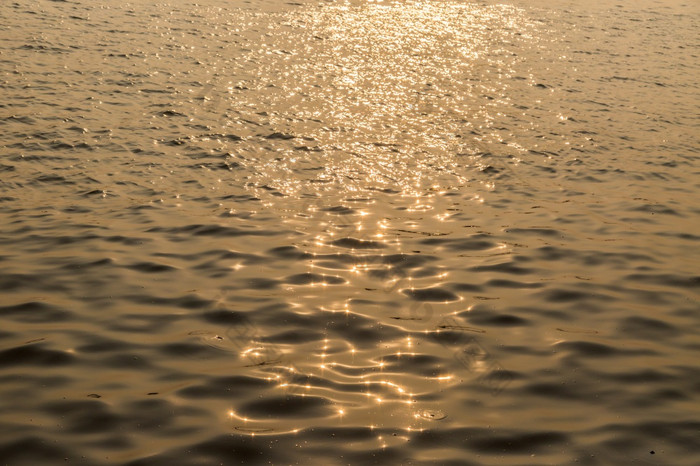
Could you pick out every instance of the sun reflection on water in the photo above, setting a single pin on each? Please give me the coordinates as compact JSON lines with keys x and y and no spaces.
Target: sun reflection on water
{"x":399,"y":88}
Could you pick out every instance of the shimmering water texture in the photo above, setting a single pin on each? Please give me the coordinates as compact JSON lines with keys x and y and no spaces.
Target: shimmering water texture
{"x":349,"y":233}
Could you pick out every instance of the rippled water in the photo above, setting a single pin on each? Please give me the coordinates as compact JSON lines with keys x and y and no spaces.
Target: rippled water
{"x":349,"y":233}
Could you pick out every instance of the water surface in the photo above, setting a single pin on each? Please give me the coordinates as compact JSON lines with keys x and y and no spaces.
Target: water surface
{"x":349,"y":232}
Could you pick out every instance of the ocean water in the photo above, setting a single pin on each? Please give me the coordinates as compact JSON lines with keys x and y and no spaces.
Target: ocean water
{"x":410,"y":232}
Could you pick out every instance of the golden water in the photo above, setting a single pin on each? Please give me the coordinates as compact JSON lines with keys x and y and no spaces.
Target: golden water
{"x":349,"y":232}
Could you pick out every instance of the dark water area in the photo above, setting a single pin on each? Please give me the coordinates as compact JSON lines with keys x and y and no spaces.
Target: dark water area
{"x":349,"y":232}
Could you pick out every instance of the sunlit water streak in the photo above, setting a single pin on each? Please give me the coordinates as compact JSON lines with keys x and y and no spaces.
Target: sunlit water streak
{"x":359,"y":232}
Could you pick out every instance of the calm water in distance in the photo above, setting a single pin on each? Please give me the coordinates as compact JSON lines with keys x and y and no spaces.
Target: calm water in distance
{"x":410,"y":232}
